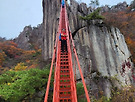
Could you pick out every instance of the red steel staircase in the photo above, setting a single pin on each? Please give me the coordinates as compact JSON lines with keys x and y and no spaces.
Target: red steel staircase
{"x":64,"y":82}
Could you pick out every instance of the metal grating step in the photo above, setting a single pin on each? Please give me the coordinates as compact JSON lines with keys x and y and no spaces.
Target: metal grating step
{"x":66,"y":99}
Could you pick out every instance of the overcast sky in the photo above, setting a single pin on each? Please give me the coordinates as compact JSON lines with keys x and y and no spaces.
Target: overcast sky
{"x":16,"y":14}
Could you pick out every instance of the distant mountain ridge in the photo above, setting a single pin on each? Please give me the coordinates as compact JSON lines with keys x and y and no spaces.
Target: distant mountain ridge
{"x":119,"y":7}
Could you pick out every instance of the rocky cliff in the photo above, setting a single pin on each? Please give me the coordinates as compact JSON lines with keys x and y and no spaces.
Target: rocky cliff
{"x":102,"y":51}
{"x":30,"y":38}
{"x":51,"y":12}
{"x":2,"y":39}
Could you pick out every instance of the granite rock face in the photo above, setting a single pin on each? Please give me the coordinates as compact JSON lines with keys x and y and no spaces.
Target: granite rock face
{"x":30,"y":37}
{"x":51,"y":13}
{"x":102,"y":50}
{"x":105,"y":8}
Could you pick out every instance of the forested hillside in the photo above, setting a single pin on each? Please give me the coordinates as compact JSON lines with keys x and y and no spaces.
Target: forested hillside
{"x":23,"y":76}
{"x":13,"y":57}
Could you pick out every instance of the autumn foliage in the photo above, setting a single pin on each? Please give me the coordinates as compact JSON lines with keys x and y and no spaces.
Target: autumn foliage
{"x":20,"y":66}
{"x":10,"y":49}
{"x":2,"y":58}
{"x":12,"y":57}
